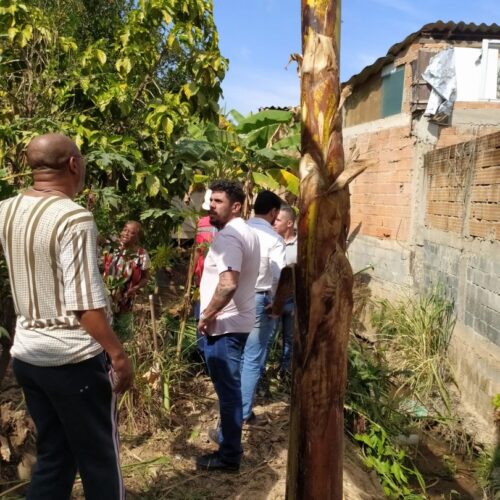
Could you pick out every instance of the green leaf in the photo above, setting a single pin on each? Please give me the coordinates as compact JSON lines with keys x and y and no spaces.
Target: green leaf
{"x":237,"y":116}
{"x":288,"y":142}
{"x":153,"y":184}
{"x":101,"y":56}
{"x":4,"y":333}
{"x":289,"y":181}
{"x":11,"y":33}
{"x":264,"y":180}
{"x":262,"y":119}
{"x":26,"y":35}
{"x":123,"y":66}
{"x":200,"y":178}
{"x":168,"y":126}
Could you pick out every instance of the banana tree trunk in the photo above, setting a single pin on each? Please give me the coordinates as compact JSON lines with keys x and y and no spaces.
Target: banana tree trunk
{"x":324,"y":276}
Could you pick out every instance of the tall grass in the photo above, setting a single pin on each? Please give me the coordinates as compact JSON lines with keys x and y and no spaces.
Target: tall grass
{"x":418,"y":333}
{"x":158,"y":373}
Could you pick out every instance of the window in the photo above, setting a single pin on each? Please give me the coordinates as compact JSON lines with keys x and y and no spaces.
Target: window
{"x":490,"y":70}
{"x":392,"y":89}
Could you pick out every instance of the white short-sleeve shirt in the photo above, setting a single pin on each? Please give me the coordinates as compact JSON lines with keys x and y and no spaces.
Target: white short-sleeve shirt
{"x":234,"y":248}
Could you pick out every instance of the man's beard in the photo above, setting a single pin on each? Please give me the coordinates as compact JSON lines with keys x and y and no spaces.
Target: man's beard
{"x":216,"y":223}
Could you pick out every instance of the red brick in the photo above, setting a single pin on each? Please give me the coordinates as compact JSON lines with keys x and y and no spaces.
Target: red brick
{"x":489,"y":175}
{"x":450,"y":209}
{"x":486,"y":211}
{"x":484,"y":230}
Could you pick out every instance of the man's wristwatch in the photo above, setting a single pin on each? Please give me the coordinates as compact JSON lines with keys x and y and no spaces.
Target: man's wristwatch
{"x":202,"y":316}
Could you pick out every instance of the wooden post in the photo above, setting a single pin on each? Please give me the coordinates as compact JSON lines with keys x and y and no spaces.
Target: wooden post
{"x":153,"y":322}
{"x":186,"y":305}
{"x":324,"y":277}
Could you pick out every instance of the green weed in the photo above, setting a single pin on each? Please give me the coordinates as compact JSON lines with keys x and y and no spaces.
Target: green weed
{"x":418,"y":332}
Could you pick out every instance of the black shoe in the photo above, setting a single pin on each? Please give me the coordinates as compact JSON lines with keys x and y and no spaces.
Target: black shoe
{"x":251,"y":419}
{"x":214,"y":435}
{"x":212,"y":461}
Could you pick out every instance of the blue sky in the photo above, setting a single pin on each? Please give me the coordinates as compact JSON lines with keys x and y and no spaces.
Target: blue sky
{"x":258,"y":36}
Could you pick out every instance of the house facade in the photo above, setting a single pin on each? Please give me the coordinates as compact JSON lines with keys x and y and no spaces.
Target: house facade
{"x":427,"y":209}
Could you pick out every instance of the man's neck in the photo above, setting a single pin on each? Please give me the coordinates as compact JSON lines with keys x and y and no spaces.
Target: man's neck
{"x":232,"y":218}
{"x":267,"y":218}
{"x":41,"y":188}
{"x":289,"y":236}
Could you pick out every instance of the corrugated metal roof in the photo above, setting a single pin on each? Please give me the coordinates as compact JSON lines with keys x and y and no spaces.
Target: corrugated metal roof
{"x":439,"y":31}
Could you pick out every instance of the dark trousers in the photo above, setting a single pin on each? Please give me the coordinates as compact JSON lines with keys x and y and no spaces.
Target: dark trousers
{"x":223,"y":357}
{"x":74,"y":411}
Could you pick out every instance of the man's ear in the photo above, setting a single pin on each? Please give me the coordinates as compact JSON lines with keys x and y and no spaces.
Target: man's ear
{"x":73,"y":165}
{"x":236,"y":208}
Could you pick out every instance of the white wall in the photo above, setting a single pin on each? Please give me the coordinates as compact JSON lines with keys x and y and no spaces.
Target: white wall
{"x":476,"y":76}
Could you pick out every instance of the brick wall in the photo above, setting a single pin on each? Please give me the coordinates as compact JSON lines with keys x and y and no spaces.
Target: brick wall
{"x":463,"y":229}
{"x":380,"y":197}
{"x":450,"y":136}
{"x":463,"y":188}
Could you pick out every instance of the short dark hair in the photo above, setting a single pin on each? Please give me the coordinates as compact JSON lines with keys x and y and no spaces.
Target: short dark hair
{"x":289,"y":210}
{"x":233,"y":190}
{"x":266,"y":200}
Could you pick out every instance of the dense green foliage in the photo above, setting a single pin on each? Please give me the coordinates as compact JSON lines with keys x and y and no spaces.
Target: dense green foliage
{"x":125,"y":87}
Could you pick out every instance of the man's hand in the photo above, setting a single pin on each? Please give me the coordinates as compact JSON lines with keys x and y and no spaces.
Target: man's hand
{"x":205,"y":325}
{"x":95,"y":323}
{"x":123,"y":371}
{"x":269,"y":312}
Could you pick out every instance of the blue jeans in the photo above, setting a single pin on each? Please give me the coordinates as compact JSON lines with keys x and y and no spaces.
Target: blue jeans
{"x":254,"y":355}
{"x":287,"y":324}
{"x":223,"y":357}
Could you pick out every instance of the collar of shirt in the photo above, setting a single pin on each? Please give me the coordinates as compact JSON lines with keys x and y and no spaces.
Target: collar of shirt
{"x":257,"y":221}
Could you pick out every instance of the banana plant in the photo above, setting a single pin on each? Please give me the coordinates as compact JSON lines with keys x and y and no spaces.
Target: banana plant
{"x":261,"y":149}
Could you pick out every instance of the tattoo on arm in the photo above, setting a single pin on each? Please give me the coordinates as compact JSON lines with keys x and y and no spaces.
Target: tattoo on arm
{"x":223,"y":293}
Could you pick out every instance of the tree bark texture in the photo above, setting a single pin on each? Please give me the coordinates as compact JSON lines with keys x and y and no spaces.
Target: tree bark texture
{"x":324,"y":277}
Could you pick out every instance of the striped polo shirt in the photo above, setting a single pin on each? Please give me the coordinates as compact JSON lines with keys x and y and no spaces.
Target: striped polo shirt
{"x":50,"y":245}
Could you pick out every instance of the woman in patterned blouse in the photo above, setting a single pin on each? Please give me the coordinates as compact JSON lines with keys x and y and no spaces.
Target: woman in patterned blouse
{"x":126,"y":268}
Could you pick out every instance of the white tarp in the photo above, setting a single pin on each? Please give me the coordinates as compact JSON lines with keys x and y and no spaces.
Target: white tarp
{"x":441,"y":76}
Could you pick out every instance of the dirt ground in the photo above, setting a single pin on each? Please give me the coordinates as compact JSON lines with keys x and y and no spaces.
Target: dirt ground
{"x":263,"y":471}
{"x":158,"y":463}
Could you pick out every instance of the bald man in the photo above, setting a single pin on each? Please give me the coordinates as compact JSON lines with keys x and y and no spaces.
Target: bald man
{"x":67,"y":359}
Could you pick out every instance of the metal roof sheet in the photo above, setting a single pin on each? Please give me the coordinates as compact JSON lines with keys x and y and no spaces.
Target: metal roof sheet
{"x":438,"y":30}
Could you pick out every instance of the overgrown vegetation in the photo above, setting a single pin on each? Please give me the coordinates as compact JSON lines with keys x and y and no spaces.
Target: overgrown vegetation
{"x":125,"y":85}
{"x":419,"y":331}
{"x":158,"y":372}
{"x":398,"y":387}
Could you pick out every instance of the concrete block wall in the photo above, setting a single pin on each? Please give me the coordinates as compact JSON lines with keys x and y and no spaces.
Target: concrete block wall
{"x":441,"y":266}
{"x":391,"y":274}
{"x":482,"y":304}
{"x":453,"y":213}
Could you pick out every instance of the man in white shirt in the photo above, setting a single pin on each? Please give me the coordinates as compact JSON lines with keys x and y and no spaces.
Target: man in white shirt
{"x":227,"y":293}
{"x":284,"y":305}
{"x":272,"y":260}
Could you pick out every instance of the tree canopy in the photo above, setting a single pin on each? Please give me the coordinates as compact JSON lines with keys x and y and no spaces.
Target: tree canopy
{"x":124,"y":78}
